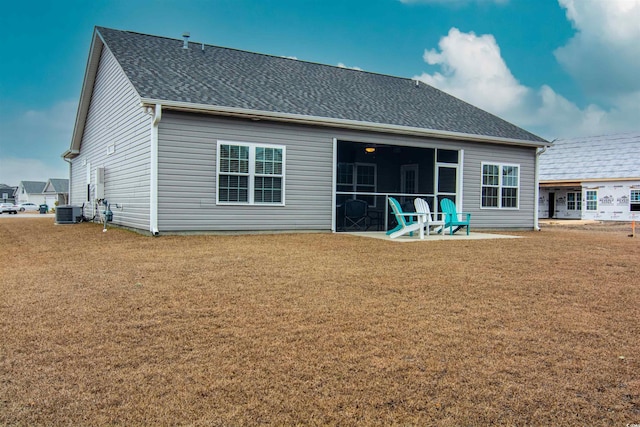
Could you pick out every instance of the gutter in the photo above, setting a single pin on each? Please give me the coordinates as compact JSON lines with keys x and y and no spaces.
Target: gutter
{"x":333,"y":122}
{"x":156,"y":112}
{"x":69,"y":154}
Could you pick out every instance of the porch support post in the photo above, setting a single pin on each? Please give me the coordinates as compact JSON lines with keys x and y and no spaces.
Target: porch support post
{"x":334,"y":180}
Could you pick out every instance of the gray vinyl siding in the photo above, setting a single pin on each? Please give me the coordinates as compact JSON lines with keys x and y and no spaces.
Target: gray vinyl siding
{"x":187,"y":175}
{"x":115,"y":117}
{"x":523,"y":216}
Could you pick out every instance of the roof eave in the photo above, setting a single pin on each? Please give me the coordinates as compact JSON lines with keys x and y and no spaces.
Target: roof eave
{"x":70,"y":154}
{"x":334,"y":122}
{"x":578,"y":181}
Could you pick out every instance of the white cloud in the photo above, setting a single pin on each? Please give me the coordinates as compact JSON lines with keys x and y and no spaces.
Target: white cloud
{"x":54,"y":123}
{"x":452,"y":2}
{"x":341,"y":65}
{"x":32,"y":141}
{"x":13,"y":170}
{"x":472,"y":69}
{"x":604,"y":54}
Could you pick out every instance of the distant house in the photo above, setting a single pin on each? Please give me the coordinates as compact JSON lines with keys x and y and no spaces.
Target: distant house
{"x":30,"y":191}
{"x":181,"y":136}
{"x":55,"y":191}
{"x":6,"y":193}
{"x":591,"y":178}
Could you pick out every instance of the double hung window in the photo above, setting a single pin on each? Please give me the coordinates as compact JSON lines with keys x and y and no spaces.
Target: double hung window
{"x":592,"y":200}
{"x":500,"y":186}
{"x":574,"y":201}
{"x":250,"y":173}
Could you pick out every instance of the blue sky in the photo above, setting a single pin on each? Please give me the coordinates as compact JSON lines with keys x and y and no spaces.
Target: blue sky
{"x":558,"y":68}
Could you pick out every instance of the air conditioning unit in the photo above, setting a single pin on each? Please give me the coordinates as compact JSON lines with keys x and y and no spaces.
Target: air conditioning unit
{"x":68,"y":214}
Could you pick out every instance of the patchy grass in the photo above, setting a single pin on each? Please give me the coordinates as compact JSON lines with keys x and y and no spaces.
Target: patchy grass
{"x":121,"y":329}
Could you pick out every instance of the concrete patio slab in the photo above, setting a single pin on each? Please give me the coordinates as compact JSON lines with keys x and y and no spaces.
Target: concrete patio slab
{"x":432,"y":237}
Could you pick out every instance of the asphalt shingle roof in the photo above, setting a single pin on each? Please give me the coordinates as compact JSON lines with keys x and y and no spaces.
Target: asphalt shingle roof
{"x":33,"y":187}
{"x":59,"y":185}
{"x":596,"y":157}
{"x":161,"y":69}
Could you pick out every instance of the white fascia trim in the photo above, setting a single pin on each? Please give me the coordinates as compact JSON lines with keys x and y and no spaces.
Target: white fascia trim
{"x":342,"y":123}
{"x":95,"y":51}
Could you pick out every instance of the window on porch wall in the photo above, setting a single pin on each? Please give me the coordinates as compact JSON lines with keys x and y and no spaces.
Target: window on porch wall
{"x":357,"y":178}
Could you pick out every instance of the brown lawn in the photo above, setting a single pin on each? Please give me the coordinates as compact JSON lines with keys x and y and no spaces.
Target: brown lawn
{"x":317,"y":329}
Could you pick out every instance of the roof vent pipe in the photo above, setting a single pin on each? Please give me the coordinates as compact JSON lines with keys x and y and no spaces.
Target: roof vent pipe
{"x":186,"y":36}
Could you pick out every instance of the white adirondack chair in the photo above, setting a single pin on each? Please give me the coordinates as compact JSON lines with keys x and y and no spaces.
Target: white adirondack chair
{"x":422,"y":207}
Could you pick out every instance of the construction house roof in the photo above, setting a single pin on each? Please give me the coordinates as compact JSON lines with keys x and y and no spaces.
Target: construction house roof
{"x":604,"y":157}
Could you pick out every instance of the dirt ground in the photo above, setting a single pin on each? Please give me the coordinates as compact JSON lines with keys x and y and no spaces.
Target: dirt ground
{"x":117,"y":328}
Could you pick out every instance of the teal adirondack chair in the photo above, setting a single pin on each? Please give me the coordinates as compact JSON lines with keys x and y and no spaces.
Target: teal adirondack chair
{"x":452,"y":218}
{"x":406,"y":225}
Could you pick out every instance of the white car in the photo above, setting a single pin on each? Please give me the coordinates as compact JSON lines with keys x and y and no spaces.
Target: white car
{"x":28,"y":207}
{"x":9,"y":208}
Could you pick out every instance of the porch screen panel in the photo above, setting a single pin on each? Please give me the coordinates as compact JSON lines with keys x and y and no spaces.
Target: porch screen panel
{"x":446,"y":180}
{"x":366,"y":182}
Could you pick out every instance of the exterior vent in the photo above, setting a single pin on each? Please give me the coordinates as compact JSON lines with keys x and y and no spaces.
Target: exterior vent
{"x":186,"y":35}
{"x":68,"y":214}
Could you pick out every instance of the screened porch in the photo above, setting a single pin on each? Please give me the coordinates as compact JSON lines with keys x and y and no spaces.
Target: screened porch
{"x":368,"y":174}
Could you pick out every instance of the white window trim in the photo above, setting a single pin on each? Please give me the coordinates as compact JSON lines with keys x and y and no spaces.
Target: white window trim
{"x":586,"y":201}
{"x":355,"y":175}
{"x":500,"y":186}
{"x":252,"y":173}
{"x":577,"y":202}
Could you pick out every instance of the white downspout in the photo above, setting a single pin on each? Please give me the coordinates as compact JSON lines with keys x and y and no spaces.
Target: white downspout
{"x":536,"y":189}
{"x":153,"y":194}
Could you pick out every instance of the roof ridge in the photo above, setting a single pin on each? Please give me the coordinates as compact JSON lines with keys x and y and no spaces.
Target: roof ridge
{"x":280,"y":57}
{"x":285,"y":87}
{"x":629,"y":134}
